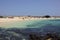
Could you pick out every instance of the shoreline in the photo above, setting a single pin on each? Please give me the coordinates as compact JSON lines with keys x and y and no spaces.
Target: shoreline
{"x":21,"y":19}
{"x":11,"y":23}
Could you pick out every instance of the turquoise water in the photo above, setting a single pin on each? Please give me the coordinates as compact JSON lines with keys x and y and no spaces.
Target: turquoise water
{"x":20,"y":30}
{"x":42,"y":25}
{"x":31,"y":23}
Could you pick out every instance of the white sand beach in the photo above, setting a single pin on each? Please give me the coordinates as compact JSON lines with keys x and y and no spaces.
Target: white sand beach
{"x":21,"y":19}
{"x":19,"y":22}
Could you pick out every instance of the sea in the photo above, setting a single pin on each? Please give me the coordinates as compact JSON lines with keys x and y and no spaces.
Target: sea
{"x":20,"y":30}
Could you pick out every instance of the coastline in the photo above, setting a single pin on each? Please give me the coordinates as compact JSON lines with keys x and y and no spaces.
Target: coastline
{"x":25,"y":19}
{"x":20,"y":23}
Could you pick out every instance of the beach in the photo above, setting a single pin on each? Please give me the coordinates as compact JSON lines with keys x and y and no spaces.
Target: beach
{"x":20,"y":22}
{"x":21,"y":19}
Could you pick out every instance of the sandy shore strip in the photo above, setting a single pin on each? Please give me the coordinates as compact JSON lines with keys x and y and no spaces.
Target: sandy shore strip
{"x":12,"y":20}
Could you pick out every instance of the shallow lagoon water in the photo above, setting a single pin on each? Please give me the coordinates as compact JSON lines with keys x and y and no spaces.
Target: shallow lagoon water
{"x":20,"y":29}
{"x":30,"y":23}
{"x":52,"y":25}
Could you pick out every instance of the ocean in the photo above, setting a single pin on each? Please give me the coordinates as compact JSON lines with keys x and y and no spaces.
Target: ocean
{"x":20,"y":30}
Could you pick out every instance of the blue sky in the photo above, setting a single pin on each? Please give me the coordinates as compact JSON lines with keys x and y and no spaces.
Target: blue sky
{"x":29,"y":7}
